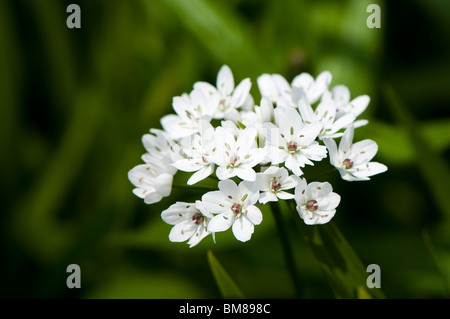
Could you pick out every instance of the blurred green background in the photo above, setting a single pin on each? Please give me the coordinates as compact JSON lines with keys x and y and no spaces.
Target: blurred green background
{"x":74,"y":104}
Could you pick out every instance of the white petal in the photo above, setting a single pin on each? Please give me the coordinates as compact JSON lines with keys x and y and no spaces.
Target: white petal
{"x":267,"y":86}
{"x":198,"y":236}
{"x":266,"y":109}
{"x":251,"y":190}
{"x":246,"y":174}
{"x":243,"y":229}
{"x":290,"y":182}
{"x":163,"y":184}
{"x":306,"y":111}
{"x":212,"y":202}
{"x":229,"y":188}
{"x":285,"y":195}
{"x":330,"y":202}
{"x":182,"y":231}
{"x":224,"y":174}
{"x":201,"y":174}
{"x":254,"y":215}
{"x":241,"y":92}
{"x":342,"y":122}
{"x":360,"y":123}
{"x":205,"y":87}
{"x":360,"y":104}
{"x":309,"y":133}
{"x":225,"y":80}
{"x":332,"y":150}
{"x":316,"y":190}
{"x":141,"y":192}
{"x":178,"y":212}
{"x":341,"y":94}
{"x":293,"y":165}
{"x":370,"y":169}
{"x":300,"y":191}
{"x":346,"y":140}
{"x":187,"y":165}
{"x":315,"y":152}
{"x":152,"y":197}
{"x":221,"y":222}
{"x":363,"y":151}
{"x":267,"y":197}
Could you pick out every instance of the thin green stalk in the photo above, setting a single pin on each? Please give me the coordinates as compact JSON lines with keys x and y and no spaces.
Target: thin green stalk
{"x":198,"y":188}
{"x":287,"y":248}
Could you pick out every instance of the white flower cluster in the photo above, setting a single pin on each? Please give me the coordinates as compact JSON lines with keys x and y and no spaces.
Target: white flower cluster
{"x":256,"y":152}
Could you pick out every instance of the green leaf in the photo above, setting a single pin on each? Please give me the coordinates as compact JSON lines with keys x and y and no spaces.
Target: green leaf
{"x":342,"y":266}
{"x":226,"y":284}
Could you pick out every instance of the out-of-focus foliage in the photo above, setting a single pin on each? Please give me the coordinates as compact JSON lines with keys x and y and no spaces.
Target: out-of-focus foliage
{"x":75,"y":103}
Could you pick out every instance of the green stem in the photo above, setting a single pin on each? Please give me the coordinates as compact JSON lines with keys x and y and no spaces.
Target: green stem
{"x":287,"y":248}
{"x":198,"y":188}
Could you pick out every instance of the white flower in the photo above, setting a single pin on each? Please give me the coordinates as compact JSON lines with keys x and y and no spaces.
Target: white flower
{"x":236,"y":156}
{"x":190,"y":110}
{"x":293,"y":142}
{"x":316,"y":203}
{"x":273,"y":182}
{"x":313,"y":88}
{"x":161,"y":149}
{"x":353,"y":160}
{"x":255,"y":118}
{"x":235,"y":207}
{"x":341,"y":95}
{"x":198,"y":149}
{"x":325,"y":113}
{"x":274,"y":86}
{"x":279,"y":90}
{"x":189,"y":223}
{"x":227,"y":96}
{"x":152,"y":182}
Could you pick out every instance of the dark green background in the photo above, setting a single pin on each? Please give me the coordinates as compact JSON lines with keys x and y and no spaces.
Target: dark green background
{"x":75,"y":103}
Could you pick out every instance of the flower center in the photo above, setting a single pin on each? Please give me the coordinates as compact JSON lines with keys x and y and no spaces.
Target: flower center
{"x":348,"y":163}
{"x":233,"y":160}
{"x":312,"y":205}
{"x":292,"y":146}
{"x":197,"y":218}
{"x":236,"y":208}
{"x":275,"y":185}
{"x":204,"y":158}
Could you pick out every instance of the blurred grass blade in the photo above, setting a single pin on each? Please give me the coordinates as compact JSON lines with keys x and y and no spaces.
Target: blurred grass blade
{"x":342,"y":266}
{"x":437,"y":261}
{"x":362,"y":293}
{"x":431,"y":165}
{"x":226,"y":284}
{"x":220,"y":31}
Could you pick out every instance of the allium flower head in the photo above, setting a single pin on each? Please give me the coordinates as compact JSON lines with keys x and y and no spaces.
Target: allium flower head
{"x":255,"y":153}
